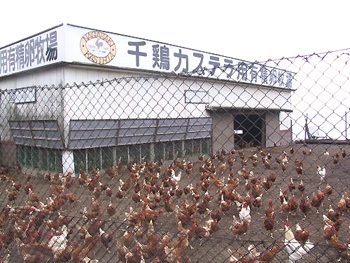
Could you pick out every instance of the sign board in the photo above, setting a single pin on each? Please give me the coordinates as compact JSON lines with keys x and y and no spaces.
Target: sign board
{"x":39,"y":50}
{"x":74,"y":44}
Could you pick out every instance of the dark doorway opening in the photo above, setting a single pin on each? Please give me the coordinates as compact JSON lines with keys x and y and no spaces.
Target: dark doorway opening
{"x":248,"y":130}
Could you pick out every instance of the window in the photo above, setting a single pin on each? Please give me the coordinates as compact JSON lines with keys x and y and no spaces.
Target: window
{"x":42,"y":158}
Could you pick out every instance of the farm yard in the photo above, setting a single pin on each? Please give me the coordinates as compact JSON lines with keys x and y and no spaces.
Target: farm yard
{"x":182,"y":210}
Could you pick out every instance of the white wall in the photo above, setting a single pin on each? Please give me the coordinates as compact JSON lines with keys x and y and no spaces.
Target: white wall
{"x":131,"y":98}
{"x":253,"y":96}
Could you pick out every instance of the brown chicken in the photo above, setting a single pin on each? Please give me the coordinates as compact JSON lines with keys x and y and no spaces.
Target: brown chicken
{"x":64,"y":255}
{"x":175,"y":248}
{"x":150,"y":214}
{"x":106,"y":238}
{"x":93,"y":225}
{"x":28,"y":186}
{"x":328,"y":190}
{"x":256,"y":189}
{"x":16,"y":186}
{"x":317,"y":200}
{"x":269,"y":222}
{"x":169,"y":204}
{"x":94,"y":213}
{"x":257,"y":201}
{"x":226,"y":191}
{"x":283,"y":166}
{"x":76,"y":250}
{"x":291,"y":150}
{"x":183,"y":215}
{"x":119,"y":193}
{"x":266,"y":183}
{"x":299,"y":169}
{"x":33,"y":258}
{"x":72,"y":198}
{"x":291,"y":185}
{"x":269,"y":254}
{"x":216,"y":215}
{"x":122,"y":250}
{"x":134,"y":255}
{"x":301,"y":235}
{"x":337,"y":224}
{"x":159,"y":247}
{"x":128,"y":238}
{"x":57,"y":203}
{"x":335,"y":159}
{"x":285,"y":207}
{"x":344,"y":202}
{"x":301,"y":186}
{"x":329,"y":231}
{"x":90,"y":246}
{"x":5,"y":216}
{"x":334,"y":214}
{"x":203,"y":206}
{"x":111,"y":209}
{"x":58,"y":222}
{"x":125,"y":185}
{"x":108,"y":191}
{"x":266,"y":163}
{"x":271,"y":177}
{"x":28,"y":254}
{"x":293,"y":203}
{"x":153,"y":239}
{"x":269,"y":209}
{"x":12,"y":195}
{"x":136,"y":197}
{"x":239,"y":227}
{"x":225,"y":204}
{"x":244,"y":173}
{"x":197,"y":230}
{"x":338,"y":244}
{"x":343,"y":153}
{"x":178,"y":191}
{"x":304,"y":205}
{"x":212,"y":225}
{"x":283,"y":195}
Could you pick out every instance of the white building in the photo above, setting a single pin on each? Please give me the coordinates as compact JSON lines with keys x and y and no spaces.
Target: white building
{"x":72,"y":89}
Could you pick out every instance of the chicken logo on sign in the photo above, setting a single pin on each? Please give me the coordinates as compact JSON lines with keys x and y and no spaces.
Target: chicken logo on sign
{"x":98,"y":47}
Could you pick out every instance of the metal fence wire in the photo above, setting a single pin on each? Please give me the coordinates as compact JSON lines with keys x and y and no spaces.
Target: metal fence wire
{"x":180,"y":167}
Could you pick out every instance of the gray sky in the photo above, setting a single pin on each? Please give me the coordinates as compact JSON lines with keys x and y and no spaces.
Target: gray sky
{"x":249,"y":30}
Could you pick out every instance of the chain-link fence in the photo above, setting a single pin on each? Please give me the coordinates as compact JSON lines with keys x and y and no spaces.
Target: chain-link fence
{"x":180,"y":168}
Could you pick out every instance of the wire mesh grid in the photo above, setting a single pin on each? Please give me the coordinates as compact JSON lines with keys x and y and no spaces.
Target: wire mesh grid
{"x":180,"y":168}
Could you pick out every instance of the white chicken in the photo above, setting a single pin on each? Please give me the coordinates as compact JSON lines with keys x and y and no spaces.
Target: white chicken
{"x":58,"y":243}
{"x":244,"y":213}
{"x":88,"y":260}
{"x":321,"y":172}
{"x":326,"y":155}
{"x":177,"y":177}
{"x":295,"y":249}
{"x":284,"y":158}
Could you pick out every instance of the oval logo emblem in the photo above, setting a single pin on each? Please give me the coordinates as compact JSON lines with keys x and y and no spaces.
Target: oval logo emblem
{"x":98,"y":47}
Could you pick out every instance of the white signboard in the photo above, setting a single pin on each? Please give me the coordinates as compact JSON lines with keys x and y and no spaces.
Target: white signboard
{"x":33,"y":52}
{"x":89,"y":46}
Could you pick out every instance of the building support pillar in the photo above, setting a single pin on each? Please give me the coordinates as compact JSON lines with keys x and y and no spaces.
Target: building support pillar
{"x":68,"y":162}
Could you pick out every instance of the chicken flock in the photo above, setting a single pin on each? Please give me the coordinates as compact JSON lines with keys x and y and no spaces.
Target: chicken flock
{"x":172,"y":208}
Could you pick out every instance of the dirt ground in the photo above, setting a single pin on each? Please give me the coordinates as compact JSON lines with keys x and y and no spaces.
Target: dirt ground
{"x":221,"y":245}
